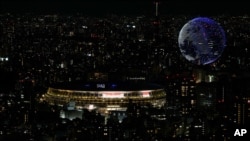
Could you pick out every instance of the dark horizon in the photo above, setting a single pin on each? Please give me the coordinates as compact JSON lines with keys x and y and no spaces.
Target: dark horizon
{"x":122,"y":7}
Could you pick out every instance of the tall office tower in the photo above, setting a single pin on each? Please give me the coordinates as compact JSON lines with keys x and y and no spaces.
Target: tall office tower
{"x":206,"y":98}
{"x":241,"y":112}
{"x":181,"y":101}
{"x":181,"y":95}
{"x":187,"y":95}
{"x":241,"y":101}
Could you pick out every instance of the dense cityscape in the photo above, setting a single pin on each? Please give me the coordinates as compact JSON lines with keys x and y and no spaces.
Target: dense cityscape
{"x":203,"y":102}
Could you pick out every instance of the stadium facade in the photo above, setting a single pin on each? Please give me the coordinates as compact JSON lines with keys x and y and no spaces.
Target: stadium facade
{"x":105,"y":96}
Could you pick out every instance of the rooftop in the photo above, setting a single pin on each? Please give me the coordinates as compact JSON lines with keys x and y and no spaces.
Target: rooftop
{"x":100,"y":86}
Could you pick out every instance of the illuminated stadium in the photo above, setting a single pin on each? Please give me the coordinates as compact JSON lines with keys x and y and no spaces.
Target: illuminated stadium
{"x":105,"y":96}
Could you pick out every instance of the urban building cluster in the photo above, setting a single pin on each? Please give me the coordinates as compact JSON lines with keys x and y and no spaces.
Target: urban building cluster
{"x":202,"y":102}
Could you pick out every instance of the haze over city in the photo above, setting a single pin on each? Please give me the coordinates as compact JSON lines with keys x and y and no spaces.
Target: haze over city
{"x":124,"y":7}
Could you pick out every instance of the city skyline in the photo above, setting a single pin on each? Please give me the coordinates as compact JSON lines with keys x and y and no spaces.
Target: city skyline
{"x":58,"y":73}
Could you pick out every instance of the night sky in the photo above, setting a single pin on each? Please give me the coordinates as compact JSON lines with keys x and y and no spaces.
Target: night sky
{"x":124,"y":7}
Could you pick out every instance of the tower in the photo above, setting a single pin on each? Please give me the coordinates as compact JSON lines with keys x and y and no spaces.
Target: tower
{"x":156,"y":2}
{"x":156,"y":22}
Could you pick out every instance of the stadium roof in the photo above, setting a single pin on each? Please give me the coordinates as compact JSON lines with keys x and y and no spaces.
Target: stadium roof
{"x":104,"y":86}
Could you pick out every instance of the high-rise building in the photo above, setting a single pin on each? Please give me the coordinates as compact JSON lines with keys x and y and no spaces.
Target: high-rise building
{"x":181,"y":94}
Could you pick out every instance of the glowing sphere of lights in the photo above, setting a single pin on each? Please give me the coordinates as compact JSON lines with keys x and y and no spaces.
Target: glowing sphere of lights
{"x":201,"y":41}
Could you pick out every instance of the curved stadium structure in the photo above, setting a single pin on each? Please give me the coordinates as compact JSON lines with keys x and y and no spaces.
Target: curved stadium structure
{"x":105,"y":96}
